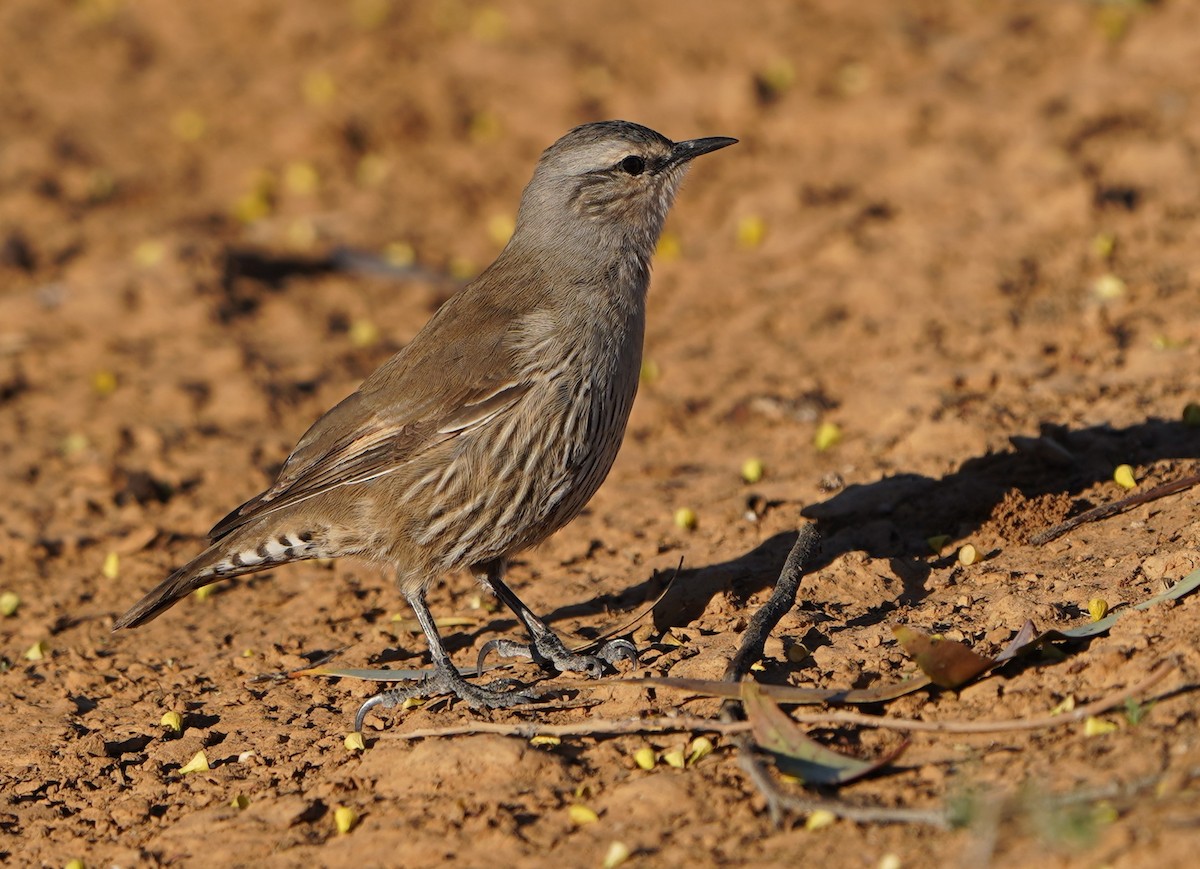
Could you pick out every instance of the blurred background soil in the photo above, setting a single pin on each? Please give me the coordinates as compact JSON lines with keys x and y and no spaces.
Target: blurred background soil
{"x":946,"y":224}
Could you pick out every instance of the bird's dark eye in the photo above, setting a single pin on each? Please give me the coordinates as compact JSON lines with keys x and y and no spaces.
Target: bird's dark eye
{"x":633,"y":164}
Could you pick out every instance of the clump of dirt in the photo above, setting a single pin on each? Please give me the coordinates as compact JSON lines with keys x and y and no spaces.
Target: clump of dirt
{"x":1017,"y":518}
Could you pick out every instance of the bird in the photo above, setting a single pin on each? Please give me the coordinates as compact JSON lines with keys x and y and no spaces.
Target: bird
{"x":495,"y":425}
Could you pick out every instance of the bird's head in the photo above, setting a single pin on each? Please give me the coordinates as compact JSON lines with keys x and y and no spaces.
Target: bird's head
{"x":611,"y":183}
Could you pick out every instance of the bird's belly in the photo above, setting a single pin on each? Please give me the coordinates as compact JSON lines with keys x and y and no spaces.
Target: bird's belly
{"x":583,"y":463}
{"x":511,"y":485}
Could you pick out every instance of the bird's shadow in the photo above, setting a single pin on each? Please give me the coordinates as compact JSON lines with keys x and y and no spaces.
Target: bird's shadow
{"x":894,"y":517}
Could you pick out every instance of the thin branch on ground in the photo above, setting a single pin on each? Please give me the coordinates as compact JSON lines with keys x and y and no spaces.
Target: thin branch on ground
{"x":754,"y":641}
{"x":1041,"y":722}
{"x":1106,"y":510}
{"x":530,"y":729}
{"x":782,"y":599}
{"x":698,"y":724}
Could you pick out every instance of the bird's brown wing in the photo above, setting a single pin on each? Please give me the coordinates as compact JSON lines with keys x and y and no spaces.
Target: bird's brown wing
{"x":433,"y":390}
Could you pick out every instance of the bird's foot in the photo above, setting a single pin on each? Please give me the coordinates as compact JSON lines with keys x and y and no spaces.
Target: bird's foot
{"x":548,"y":651}
{"x":500,"y":694}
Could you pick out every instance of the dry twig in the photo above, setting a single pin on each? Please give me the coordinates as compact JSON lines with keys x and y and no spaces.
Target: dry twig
{"x":1106,"y":510}
{"x":697,"y":724}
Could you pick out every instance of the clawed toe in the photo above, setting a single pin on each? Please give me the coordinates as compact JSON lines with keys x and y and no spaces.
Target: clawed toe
{"x":500,"y":694}
{"x":549,"y":651}
{"x":618,"y":650}
{"x":504,"y":648}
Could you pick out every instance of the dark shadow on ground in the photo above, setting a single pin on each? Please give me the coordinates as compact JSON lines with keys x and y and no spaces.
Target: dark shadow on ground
{"x":894,"y":517}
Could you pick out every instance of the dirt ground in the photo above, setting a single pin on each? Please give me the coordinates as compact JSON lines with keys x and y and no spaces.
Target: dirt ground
{"x":945,"y":225}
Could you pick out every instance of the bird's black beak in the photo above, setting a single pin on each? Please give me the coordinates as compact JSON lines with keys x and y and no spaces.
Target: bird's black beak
{"x":693,"y":148}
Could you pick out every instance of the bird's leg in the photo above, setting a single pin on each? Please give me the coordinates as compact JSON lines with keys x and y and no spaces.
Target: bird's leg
{"x":445,"y":678}
{"x":547,"y":649}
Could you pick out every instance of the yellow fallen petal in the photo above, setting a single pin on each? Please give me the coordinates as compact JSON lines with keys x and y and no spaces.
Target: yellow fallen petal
{"x":938,"y":542}
{"x":500,"y":228}
{"x":669,"y":248}
{"x":1123,"y":477}
{"x":104,"y":382}
{"x":461,"y":268}
{"x":853,"y":79}
{"x":149,"y":253}
{"x":9,"y":602}
{"x":1105,"y":812}
{"x":617,"y":853}
{"x":1166,"y":342}
{"x":300,"y":177}
{"x":797,"y":652}
{"x":751,"y":230}
{"x":778,"y":76}
{"x":203,"y":593}
{"x":1067,"y":704}
{"x":240,"y":802}
{"x":344,"y":818}
{"x":968,"y":554}
{"x":484,"y":127}
{"x":318,"y":88}
{"x":400,"y":254}
{"x":363,"y":334}
{"x":550,"y":741}
{"x":74,"y":444}
{"x":372,"y":170}
{"x":370,"y":14}
{"x":752,"y":470}
{"x":650,"y":371}
{"x":644,"y":757}
{"x":890,"y":860}
{"x":251,"y":207}
{"x":301,"y":234}
{"x":1097,"y":608}
{"x":1093,"y":726}
{"x":198,"y":763}
{"x":1103,"y":245}
{"x":674,"y":758}
{"x":828,"y":435}
{"x":1107,"y":288}
{"x":489,"y":24}
{"x":819,"y":819}
{"x":74,"y":863}
{"x":188,"y":125}
{"x":354,"y":741}
{"x":36,"y":652}
{"x":101,"y":183}
{"x":701,"y":747}
{"x":111,"y":568}
{"x":581,"y":815}
{"x":172,"y":721}
{"x":685,"y":518}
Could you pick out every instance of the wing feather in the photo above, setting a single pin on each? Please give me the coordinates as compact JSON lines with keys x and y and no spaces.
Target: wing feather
{"x":448,"y":381}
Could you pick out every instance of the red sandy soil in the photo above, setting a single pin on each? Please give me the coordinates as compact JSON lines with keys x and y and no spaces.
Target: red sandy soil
{"x":976,"y":220}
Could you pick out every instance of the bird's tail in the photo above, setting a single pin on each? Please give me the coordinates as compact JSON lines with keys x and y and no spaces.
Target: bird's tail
{"x":247,"y":551}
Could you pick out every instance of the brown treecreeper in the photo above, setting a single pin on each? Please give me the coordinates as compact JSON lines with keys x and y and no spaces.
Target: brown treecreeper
{"x":495,"y":426}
